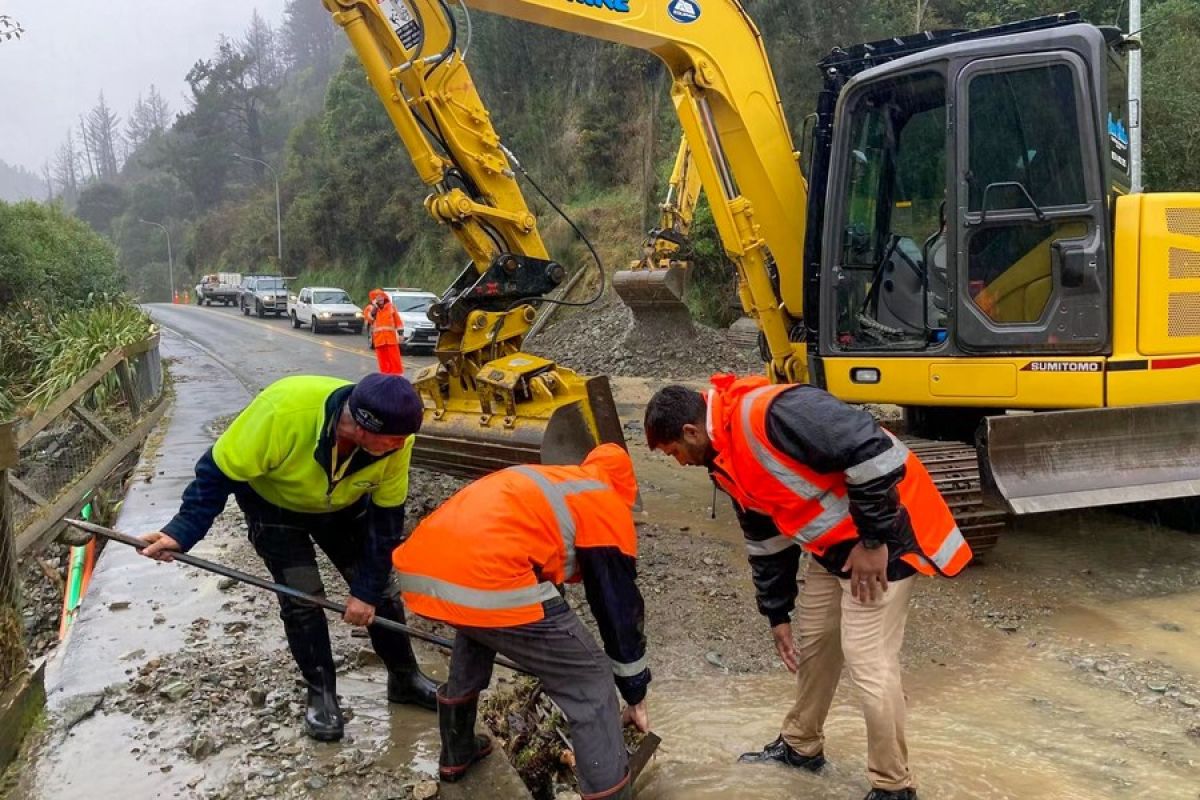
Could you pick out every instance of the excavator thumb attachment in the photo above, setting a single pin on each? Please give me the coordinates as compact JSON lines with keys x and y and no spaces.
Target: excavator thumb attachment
{"x":560,"y":427}
{"x":653,"y":288}
{"x":1062,"y":460}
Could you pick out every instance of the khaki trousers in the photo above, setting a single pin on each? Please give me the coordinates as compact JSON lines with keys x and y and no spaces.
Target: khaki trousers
{"x":835,"y":629}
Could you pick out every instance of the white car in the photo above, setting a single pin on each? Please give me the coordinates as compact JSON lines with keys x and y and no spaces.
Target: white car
{"x":413,"y":305}
{"x":325,"y":308}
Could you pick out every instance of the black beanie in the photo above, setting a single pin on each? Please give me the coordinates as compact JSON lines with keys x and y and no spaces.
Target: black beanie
{"x":387,"y":405}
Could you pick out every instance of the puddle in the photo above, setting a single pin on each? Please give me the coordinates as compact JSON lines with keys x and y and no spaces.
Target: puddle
{"x":1165,"y":629}
{"x":1012,"y":729}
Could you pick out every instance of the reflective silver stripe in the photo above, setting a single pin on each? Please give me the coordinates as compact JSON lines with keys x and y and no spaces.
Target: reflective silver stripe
{"x":388,"y":328}
{"x":482,"y":599}
{"x":629,"y":670}
{"x":885,"y":463}
{"x":834,"y":508}
{"x":556,"y":495}
{"x":769,"y":547}
{"x":766,"y":458}
{"x":945,"y":553}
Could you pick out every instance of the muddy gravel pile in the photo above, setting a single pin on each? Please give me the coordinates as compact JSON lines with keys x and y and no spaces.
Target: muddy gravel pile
{"x":608,"y":340}
{"x":42,"y":578}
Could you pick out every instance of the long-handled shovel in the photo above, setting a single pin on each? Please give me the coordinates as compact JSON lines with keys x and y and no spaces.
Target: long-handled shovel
{"x":279,"y":588}
{"x":638,"y":759}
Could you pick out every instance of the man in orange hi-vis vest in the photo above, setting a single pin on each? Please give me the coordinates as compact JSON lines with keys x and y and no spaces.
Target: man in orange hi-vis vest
{"x":386,"y":327}
{"x":809,"y":472}
{"x":490,"y":562}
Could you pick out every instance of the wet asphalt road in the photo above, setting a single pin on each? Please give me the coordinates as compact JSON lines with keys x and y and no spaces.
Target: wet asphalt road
{"x":261,"y":351}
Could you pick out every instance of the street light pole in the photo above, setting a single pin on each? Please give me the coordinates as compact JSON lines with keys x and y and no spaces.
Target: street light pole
{"x":278,"y":215}
{"x":170,"y":259}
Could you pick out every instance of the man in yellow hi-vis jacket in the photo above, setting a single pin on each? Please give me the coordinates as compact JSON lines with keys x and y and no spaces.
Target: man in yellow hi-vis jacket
{"x":325,"y":461}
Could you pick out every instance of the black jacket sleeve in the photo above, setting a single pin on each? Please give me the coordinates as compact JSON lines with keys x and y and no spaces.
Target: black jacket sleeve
{"x":203,"y":501}
{"x":610,"y":583}
{"x":385,"y":531}
{"x":774,"y":565}
{"x":817,"y":429}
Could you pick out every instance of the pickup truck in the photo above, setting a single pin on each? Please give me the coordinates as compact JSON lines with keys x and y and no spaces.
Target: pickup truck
{"x":219,"y":287}
{"x":263,"y":294}
{"x":324,"y":308}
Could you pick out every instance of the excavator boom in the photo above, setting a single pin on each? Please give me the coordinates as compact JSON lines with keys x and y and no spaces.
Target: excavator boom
{"x":656,"y":283}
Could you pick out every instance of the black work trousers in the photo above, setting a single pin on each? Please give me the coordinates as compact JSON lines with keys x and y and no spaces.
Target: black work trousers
{"x":284,"y":540}
{"x":574,"y":672}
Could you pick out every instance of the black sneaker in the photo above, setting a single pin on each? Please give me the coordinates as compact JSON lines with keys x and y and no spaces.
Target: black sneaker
{"x":892,"y":794}
{"x":782,"y":752}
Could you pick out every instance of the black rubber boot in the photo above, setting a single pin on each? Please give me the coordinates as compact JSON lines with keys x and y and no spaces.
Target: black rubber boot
{"x":892,"y":794}
{"x":323,"y":717}
{"x":406,"y":683}
{"x":622,"y":791}
{"x":461,"y":746}
{"x":781,"y":752}
{"x":412,"y":687}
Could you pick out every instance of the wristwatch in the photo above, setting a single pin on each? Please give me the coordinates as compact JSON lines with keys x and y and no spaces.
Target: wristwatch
{"x":871,"y":544}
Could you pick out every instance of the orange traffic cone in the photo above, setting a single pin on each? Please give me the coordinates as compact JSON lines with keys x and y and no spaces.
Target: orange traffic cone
{"x":175,"y":298}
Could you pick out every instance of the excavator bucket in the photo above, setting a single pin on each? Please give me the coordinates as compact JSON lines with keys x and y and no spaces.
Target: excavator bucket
{"x":658,"y":288}
{"x":1061,"y":460}
{"x":463,"y":442}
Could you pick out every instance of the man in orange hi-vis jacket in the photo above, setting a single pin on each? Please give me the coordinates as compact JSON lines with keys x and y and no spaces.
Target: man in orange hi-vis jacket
{"x":490,"y":561}
{"x":386,"y":327}
{"x":809,"y":472}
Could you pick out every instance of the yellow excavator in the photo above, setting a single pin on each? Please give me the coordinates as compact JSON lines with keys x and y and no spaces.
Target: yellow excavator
{"x":961,"y":242}
{"x":657,"y":282}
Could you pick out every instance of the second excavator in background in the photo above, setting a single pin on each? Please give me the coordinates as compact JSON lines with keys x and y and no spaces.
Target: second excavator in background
{"x":957,"y":238}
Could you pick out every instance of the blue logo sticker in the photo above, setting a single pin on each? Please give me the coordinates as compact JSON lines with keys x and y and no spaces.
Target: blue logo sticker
{"x":620,"y":6}
{"x":684,"y":10}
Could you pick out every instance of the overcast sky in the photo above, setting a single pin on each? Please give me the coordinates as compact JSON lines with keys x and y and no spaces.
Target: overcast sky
{"x":73,"y":49}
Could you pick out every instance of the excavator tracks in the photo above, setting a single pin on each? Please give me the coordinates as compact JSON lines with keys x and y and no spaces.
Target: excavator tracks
{"x":954,"y":467}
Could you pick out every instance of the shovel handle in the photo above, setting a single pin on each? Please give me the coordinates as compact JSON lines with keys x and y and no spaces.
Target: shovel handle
{"x":279,"y":588}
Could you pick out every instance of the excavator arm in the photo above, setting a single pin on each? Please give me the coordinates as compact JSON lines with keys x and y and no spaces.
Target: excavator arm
{"x":489,"y":403}
{"x":657,"y":281}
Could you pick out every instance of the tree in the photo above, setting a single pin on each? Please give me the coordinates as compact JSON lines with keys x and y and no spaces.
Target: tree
{"x":99,"y":204}
{"x":226,"y":117}
{"x":66,"y":169}
{"x":150,"y":116}
{"x":9,"y":28}
{"x":261,"y":50}
{"x":310,"y":38}
{"x":104,"y":135}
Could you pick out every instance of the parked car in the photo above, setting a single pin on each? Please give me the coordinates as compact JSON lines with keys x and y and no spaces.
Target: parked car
{"x":325,"y":308}
{"x":219,"y":287}
{"x":263,"y":294}
{"x":413,"y":305}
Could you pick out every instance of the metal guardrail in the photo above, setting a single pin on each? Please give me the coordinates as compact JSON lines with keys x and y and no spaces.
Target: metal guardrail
{"x":51,"y":463}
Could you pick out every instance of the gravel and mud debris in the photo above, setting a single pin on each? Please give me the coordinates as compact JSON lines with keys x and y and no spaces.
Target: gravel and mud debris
{"x":608,"y":340}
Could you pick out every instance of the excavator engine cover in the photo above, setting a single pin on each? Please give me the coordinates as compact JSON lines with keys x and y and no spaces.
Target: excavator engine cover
{"x":657,"y":288}
{"x":1061,"y":460}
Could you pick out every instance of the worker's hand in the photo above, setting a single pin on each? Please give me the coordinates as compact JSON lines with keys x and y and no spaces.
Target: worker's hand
{"x":159,"y":546}
{"x":637,"y":717}
{"x":868,"y":572}
{"x":359,"y":613}
{"x":785,"y":645}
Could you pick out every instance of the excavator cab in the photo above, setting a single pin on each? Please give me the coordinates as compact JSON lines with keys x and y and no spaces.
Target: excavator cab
{"x":976,"y":184}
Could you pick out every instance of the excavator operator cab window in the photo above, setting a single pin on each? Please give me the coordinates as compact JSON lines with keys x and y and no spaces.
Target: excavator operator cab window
{"x":891,"y":276}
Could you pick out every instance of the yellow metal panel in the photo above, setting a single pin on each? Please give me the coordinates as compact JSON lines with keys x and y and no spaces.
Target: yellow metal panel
{"x":973,"y":379}
{"x":1008,"y":382}
{"x":1169,"y":297}
{"x":1172,"y":382}
{"x":1127,"y":236}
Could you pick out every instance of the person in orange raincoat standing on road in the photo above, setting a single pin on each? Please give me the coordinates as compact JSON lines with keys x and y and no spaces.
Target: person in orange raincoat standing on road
{"x":386,"y":327}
